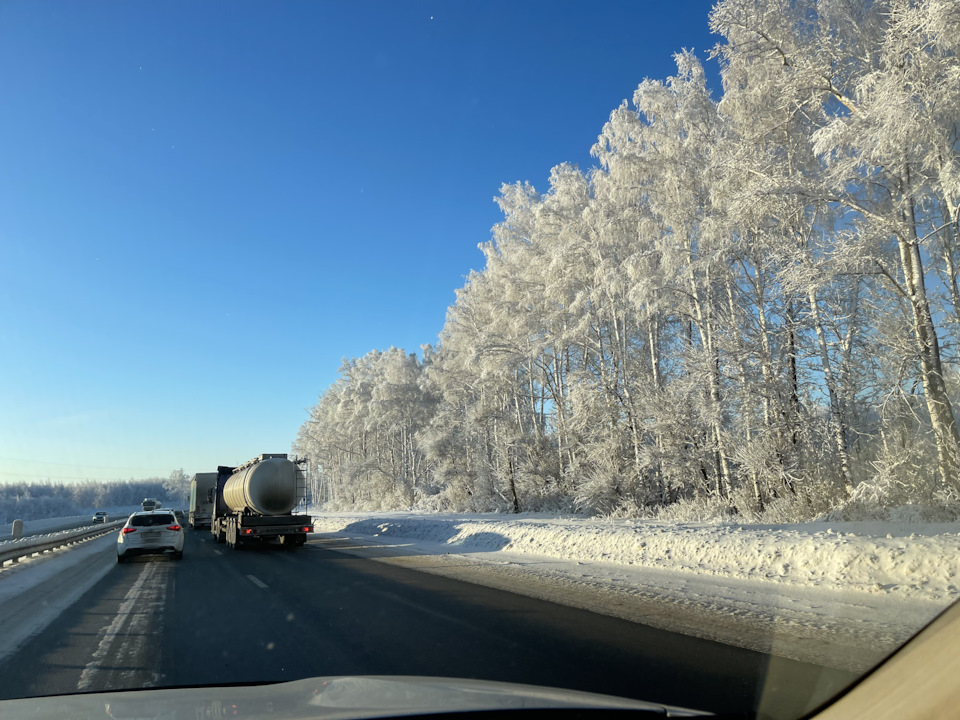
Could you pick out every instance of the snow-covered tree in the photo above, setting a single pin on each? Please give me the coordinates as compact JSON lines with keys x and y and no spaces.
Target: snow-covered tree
{"x":752,"y":303}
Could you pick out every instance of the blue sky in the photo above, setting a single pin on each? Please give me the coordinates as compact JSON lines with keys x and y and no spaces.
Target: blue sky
{"x":205,"y":206}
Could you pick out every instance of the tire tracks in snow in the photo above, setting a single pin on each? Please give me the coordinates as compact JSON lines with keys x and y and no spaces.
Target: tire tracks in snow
{"x":127,"y":640}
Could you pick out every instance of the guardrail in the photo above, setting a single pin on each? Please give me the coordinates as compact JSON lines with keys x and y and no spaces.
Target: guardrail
{"x":16,"y":549}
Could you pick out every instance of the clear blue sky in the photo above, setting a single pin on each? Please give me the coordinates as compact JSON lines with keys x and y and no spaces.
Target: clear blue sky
{"x":205,"y":206}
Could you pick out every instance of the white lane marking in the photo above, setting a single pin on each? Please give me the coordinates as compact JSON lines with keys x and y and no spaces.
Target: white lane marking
{"x":219,"y":552}
{"x":132,"y":612}
{"x":256,"y":581}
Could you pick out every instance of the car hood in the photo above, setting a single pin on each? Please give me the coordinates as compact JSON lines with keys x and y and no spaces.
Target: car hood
{"x":328,"y":698}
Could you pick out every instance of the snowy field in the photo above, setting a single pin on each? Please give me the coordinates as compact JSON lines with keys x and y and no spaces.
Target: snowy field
{"x":844,"y":594}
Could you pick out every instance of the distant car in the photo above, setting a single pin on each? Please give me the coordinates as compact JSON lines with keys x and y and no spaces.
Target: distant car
{"x":99,"y":517}
{"x":154,"y":531}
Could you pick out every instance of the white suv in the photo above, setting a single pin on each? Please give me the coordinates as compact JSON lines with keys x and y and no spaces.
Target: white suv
{"x":156,"y":531}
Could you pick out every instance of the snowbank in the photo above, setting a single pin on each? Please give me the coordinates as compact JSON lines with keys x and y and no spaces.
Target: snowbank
{"x":912,"y":560}
{"x":841,"y":595}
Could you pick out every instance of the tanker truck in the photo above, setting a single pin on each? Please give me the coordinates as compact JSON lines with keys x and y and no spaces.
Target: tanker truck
{"x":255,"y":503}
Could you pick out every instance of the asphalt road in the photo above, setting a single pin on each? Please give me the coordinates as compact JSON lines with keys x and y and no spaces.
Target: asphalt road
{"x":222,"y":616}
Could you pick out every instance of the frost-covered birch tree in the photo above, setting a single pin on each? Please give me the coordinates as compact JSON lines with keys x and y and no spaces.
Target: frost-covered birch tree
{"x":751,"y":305}
{"x":877,"y":81}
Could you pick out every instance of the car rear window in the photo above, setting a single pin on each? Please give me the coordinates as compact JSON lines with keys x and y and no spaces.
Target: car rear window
{"x":150,"y":520}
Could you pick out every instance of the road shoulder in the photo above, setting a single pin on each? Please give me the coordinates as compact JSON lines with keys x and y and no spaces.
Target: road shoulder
{"x":34,"y":593}
{"x":755,"y":616}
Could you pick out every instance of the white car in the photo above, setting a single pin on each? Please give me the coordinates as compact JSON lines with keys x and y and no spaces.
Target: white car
{"x":155,"y":531}
{"x":100,"y":517}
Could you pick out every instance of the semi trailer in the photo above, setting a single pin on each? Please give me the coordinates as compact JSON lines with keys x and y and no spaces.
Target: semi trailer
{"x":201,"y":499}
{"x":257,"y":502}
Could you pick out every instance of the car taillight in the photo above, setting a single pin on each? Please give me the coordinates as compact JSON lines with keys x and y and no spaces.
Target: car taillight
{"x":173,"y":527}
{"x":128,"y":530}
{"x":308,"y":529}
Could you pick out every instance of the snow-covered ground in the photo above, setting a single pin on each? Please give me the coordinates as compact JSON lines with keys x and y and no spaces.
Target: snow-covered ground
{"x":844,"y":594}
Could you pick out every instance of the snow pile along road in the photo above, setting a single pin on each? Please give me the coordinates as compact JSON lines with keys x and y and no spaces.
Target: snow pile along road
{"x":921,"y":561}
{"x":843,"y":595}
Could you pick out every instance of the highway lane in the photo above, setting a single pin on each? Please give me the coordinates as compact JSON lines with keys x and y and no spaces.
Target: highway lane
{"x":106,"y":639}
{"x":224,"y":616}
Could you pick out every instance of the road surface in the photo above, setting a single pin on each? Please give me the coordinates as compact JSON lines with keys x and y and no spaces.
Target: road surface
{"x":222,"y":616}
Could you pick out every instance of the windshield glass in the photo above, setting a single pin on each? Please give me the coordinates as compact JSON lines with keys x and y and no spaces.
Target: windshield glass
{"x":597,"y":345}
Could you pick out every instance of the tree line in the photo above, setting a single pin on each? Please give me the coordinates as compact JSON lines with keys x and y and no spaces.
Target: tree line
{"x":750,"y":304}
{"x":39,"y":500}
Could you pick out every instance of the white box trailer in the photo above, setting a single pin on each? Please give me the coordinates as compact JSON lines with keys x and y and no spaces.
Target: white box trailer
{"x":202,"y":488}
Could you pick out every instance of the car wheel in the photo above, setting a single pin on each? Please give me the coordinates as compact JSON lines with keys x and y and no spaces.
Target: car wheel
{"x":120,"y":558}
{"x":178,"y":555}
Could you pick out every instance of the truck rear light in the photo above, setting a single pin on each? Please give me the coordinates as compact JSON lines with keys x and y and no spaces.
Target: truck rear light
{"x":307,"y":528}
{"x":248,"y":531}
{"x":128,"y":530}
